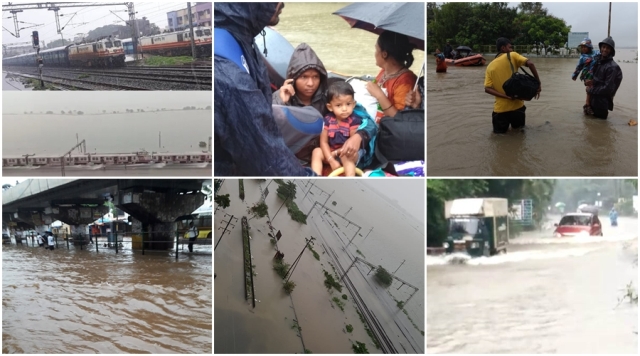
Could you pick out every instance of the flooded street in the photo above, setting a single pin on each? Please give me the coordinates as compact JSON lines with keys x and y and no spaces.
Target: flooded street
{"x":546,"y":295}
{"x":341,"y":49}
{"x":558,"y":139}
{"x":72,"y":301}
{"x":270,"y":326}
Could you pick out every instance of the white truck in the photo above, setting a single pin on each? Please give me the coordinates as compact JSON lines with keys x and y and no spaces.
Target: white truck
{"x":477,"y":226}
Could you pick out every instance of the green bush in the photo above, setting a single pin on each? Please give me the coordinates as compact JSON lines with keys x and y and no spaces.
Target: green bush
{"x":281,"y":268}
{"x":344,"y":296}
{"x":400,"y":304}
{"x":315,"y":254}
{"x":289,"y":286}
{"x":296,"y":214}
{"x":349,"y":328}
{"x":338,"y":302}
{"x":383,"y":277}
{"x":330,"y":282}
{"x":259,"y":209}
{"x":360,"y":348}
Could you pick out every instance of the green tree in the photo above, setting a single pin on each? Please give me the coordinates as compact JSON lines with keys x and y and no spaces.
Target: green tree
{"x":469,"y":24}
{"x":540,"y":191}
{"x":223,"y":201}
{"x":259,"y":210}
{"x":287,"y":190}
{"x":476,"y":24}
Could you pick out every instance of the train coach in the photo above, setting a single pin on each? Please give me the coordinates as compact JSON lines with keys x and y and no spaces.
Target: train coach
{"x":177,"y":43}
{"x":103,"y":52}
{"x":109,"y":159}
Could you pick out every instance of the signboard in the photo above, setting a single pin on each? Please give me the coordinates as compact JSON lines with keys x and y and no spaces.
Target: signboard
{"x":575,"y":38}
{"x":522,"y":212}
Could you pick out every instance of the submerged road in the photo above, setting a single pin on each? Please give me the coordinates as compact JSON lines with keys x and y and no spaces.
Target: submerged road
{"x":545,"y":295}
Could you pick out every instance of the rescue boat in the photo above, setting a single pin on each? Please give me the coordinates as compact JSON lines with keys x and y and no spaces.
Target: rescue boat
{"x":466,"y":58}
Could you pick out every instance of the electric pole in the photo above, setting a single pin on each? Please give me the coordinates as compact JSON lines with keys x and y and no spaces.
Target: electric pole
{"x":134,"y":29}
{"x":295,"y":263}
{"x":193,"y":41}
{"x":368,"y":234}
{"x":305,"y":194}
{"x":225,"y":228}
{"x":403,"y":261}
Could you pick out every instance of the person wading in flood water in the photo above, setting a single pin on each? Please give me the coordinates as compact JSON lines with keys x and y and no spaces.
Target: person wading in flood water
{"x":51,"y":241}
{"x":607,"y":77}
{"x":507,"y":111}
{"x":193,"y":235}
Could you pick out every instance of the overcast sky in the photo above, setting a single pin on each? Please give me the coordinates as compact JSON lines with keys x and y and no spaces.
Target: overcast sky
{"x":593,"y":17}
{"x":15,"y":102}
{"x":85,"y":19}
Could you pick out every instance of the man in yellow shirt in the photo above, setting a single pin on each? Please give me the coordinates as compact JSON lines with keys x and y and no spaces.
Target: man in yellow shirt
{"x":506,"y":110}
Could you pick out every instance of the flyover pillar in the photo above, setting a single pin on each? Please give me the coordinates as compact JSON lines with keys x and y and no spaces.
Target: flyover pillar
{"x":154,"y":214}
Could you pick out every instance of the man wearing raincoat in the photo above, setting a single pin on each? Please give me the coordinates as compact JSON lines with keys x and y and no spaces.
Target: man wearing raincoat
{"x":247,"y":139}
{"x":607,"y":77}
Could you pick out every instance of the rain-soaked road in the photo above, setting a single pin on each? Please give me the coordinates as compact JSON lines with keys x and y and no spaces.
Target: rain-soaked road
{"x":545,"y":296}
{"x":68,"y":301}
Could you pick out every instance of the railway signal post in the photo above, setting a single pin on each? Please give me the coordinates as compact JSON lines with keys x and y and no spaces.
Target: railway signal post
{"x":36,"y":45}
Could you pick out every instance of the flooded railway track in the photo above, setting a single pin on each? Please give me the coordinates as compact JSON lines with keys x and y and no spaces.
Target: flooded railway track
{"x":370,"y":319}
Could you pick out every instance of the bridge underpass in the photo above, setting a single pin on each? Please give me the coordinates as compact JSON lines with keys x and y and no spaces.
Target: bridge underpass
{"x":153,"y":205}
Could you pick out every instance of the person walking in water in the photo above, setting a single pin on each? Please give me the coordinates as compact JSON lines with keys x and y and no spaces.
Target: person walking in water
{"x":441,"y":64}
{"x":51,"y":239}
{"x":40,"y":240}
{"x":585,"y":69}
{"x":607,"y":77}
{"x":193,"y":235}
{"x":507,"y":111}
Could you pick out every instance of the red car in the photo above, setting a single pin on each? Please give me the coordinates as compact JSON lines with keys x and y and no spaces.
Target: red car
{"x":578,"y":224}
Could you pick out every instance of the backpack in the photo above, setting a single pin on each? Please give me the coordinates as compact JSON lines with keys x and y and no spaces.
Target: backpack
{"x":401,"y":138}
{"x":519,"y":86}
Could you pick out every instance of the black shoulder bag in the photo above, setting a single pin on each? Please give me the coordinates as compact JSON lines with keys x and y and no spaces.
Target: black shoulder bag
{"x":519,"y":86}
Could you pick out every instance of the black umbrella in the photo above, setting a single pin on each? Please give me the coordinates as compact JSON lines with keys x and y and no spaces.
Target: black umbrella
{"x":463,"y":48}
{"x":406,"y":18}
{"x":185,"y":217}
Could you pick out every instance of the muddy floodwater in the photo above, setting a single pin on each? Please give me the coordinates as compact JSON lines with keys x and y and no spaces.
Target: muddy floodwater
{"x":314,"y":318}
{"x":68,"y":301}
{"x":341,"y":48}
{"x":558,"y":139}
{"x":545,"y":295}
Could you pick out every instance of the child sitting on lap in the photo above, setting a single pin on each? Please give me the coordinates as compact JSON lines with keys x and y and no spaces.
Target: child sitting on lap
{"x":339,"y":125}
